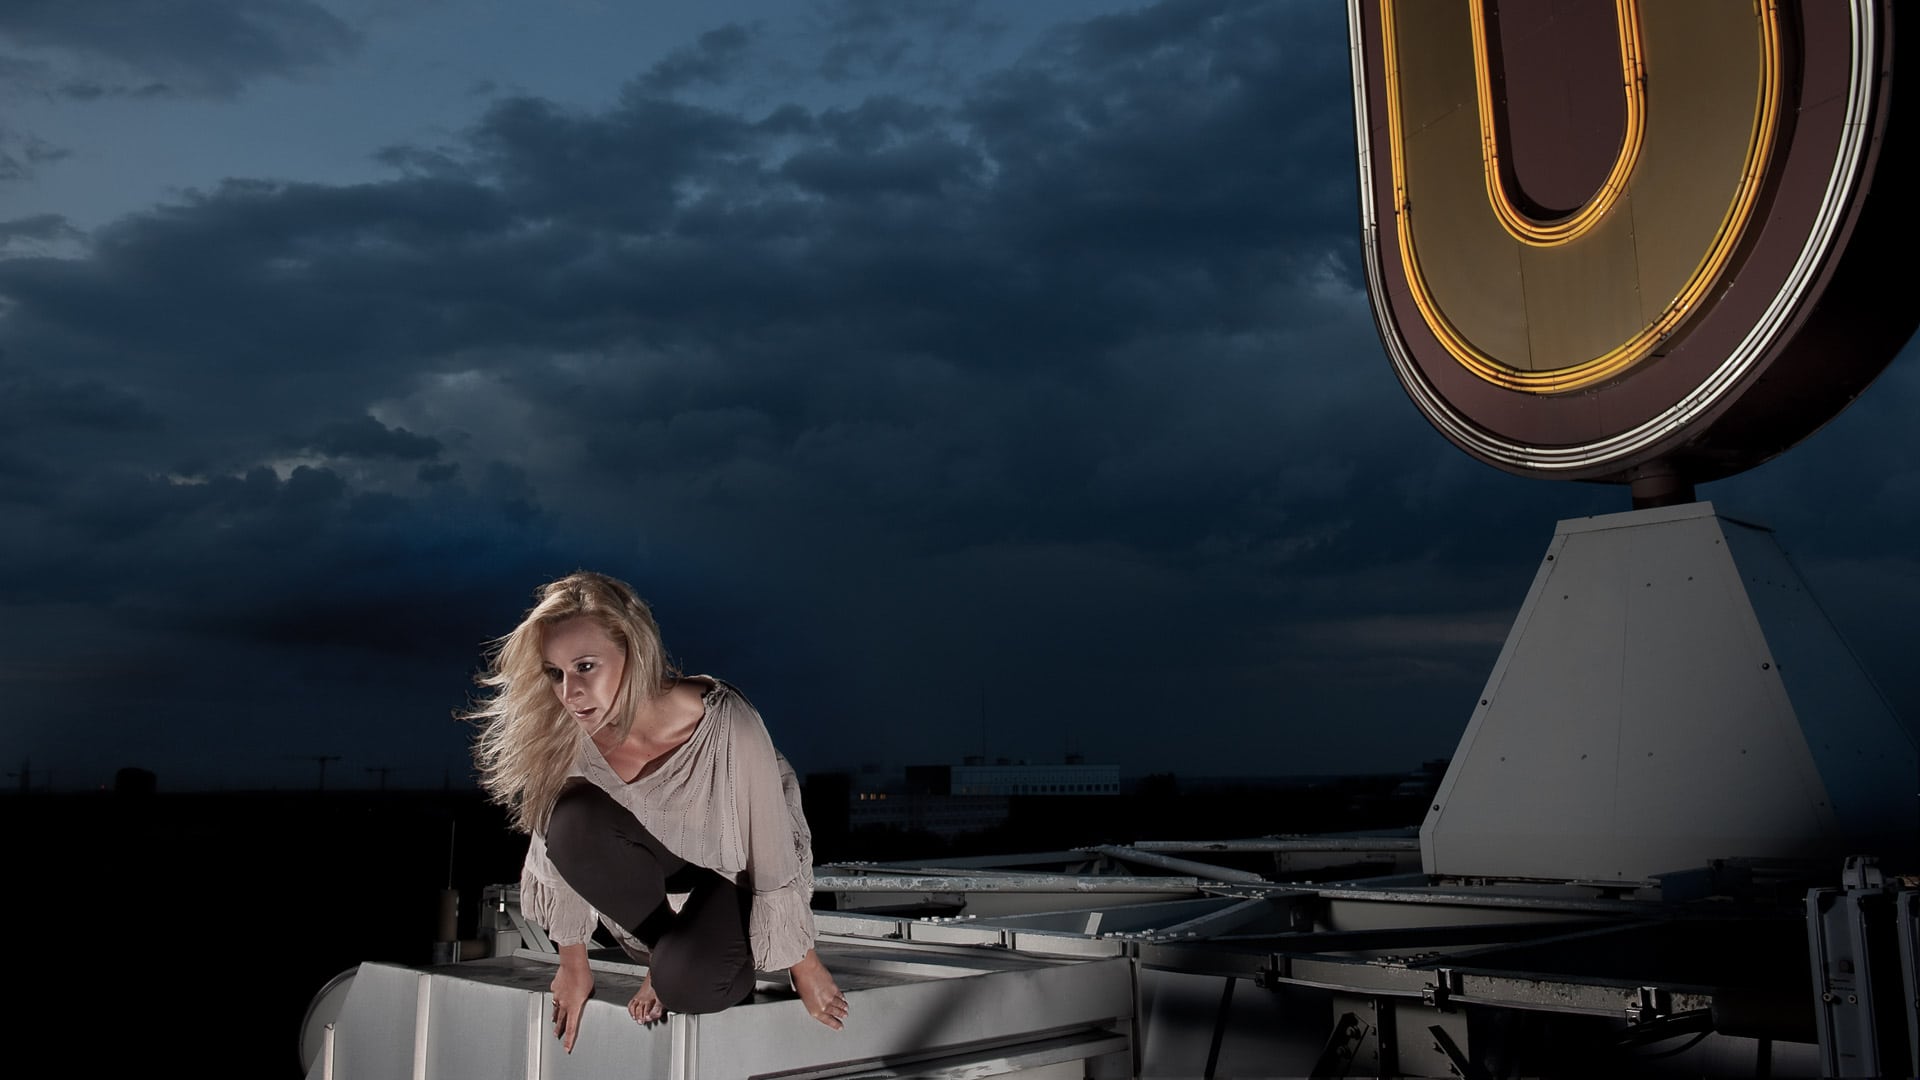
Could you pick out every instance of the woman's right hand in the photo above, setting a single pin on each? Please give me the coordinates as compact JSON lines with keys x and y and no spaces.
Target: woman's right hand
{"x":571,"y":988}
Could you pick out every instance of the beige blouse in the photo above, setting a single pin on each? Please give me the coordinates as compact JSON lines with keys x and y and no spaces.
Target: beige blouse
{"x":725,"y":800}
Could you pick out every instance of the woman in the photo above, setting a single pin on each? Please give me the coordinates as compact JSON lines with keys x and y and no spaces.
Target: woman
{"x":639,"y":788}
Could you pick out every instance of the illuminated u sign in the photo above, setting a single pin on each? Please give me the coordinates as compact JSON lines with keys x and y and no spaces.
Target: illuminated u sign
{"x":1595,"y":230}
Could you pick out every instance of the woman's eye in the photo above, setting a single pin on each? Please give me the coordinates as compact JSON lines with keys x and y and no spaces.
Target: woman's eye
{"x":553,"y":674}
{"x":584,"y":667}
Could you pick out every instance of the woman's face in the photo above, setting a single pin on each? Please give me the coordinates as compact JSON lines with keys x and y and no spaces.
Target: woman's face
{"x":584,"y":665}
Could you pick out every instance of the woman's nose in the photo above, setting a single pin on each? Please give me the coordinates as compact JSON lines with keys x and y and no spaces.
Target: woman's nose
{"x":569,"y":685}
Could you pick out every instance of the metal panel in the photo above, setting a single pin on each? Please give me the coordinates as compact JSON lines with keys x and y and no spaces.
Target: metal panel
{"x":1866,"y":757}
{"x":1906,"y":913}
{"x":380,"y":1012}
{"x":912,"y":1019}
{"x":1448,"y":987}
{"x":1195,"y":1025}
{"x":1068,"y":1057}
{"x":1635,"y":723}
{"x":1861,"y":941}
{"x":990,"y":894}
{"x":902,"y":932}
{"x":475,"y":1029}
{"x":943,"y":1012}
{"x":1271,"y":1031}
{"x":1837,"y":938}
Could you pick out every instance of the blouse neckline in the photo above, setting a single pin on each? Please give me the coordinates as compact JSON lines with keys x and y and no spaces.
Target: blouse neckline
{"x":598,"y":758}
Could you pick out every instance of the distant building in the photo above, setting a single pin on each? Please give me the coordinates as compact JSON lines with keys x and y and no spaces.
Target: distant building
{"x":942,"y":815}
{"x":948,"y":800}
{"x":1003,"y":777}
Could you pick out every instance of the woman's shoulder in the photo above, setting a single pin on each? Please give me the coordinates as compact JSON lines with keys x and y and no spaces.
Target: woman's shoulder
{"x":727,"y":709}
{"x":716,"y":690}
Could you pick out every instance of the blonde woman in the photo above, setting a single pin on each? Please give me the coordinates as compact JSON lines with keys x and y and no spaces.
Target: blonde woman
{"x":640,"y":787}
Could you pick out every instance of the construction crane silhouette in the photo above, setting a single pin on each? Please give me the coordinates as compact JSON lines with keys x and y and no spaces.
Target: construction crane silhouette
{"x":321,"y":760}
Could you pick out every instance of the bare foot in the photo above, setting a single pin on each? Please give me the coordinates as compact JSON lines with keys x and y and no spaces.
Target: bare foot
{"x":645,"y":1008}
{"x":816,"y":987}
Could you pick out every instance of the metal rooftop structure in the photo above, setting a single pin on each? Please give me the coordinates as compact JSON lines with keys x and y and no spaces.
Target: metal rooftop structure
{"x":1233,"y":958}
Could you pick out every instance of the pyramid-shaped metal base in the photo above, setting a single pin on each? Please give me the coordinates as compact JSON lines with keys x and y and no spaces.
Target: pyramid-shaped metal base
{"x":1670,"y":694}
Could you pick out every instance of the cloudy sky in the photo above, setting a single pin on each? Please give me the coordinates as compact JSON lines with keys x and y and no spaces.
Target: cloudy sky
{"x":950,"y":376}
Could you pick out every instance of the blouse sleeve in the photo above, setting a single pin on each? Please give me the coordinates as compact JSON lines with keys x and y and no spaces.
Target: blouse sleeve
{"x":779,"y":851}
{"x":548,"y":900}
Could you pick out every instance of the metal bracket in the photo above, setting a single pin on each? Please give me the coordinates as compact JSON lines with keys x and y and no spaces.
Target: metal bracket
{"x":1272,"y":974}
{"x":1336,"y":1057}
{"x":1300,"y":917}
{"x":1439,"y":993}
{"x":1862,"y":872}
{"x":1456,"y":1059}
{"x":1650,"y":1003}
{"x":1853,"y":941}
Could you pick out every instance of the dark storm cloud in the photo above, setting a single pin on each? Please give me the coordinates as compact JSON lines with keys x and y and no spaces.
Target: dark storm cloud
{"x":914,"y":39}
{"x":199,"y":48}
{"x":30,"y":401}
{"x":37,"y":229}
{"x":1061,"y":380}
{"x":710,"y":60}
{"x":369,"y":438}
{"x":22,"y":155}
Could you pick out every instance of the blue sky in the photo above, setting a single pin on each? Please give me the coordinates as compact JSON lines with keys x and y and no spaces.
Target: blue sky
{"x":949,"y":375}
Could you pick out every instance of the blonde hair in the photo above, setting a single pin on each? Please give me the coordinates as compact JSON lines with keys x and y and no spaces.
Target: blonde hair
{"x":527,"y":743}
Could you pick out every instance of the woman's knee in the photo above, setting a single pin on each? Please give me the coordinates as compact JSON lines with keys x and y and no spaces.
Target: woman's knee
{"x":579,"y":824}
{"x":689,"y":982}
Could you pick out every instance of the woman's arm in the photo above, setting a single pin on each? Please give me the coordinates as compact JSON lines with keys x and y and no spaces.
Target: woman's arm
{"x":571,"y":988}
{"x":550,"y":902}
{"x":780,"y":869}
{"x":816,"y":987}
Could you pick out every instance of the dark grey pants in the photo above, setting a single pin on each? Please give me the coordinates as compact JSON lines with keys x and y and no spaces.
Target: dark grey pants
{"x":700,"y":957}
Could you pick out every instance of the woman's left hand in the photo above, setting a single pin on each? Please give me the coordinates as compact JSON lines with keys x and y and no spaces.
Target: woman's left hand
{"x":817,"y":990}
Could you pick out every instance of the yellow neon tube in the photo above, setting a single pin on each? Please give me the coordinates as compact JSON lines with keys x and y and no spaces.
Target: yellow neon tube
{"x":1634,"y":84}
{"x":1617,"y":359}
